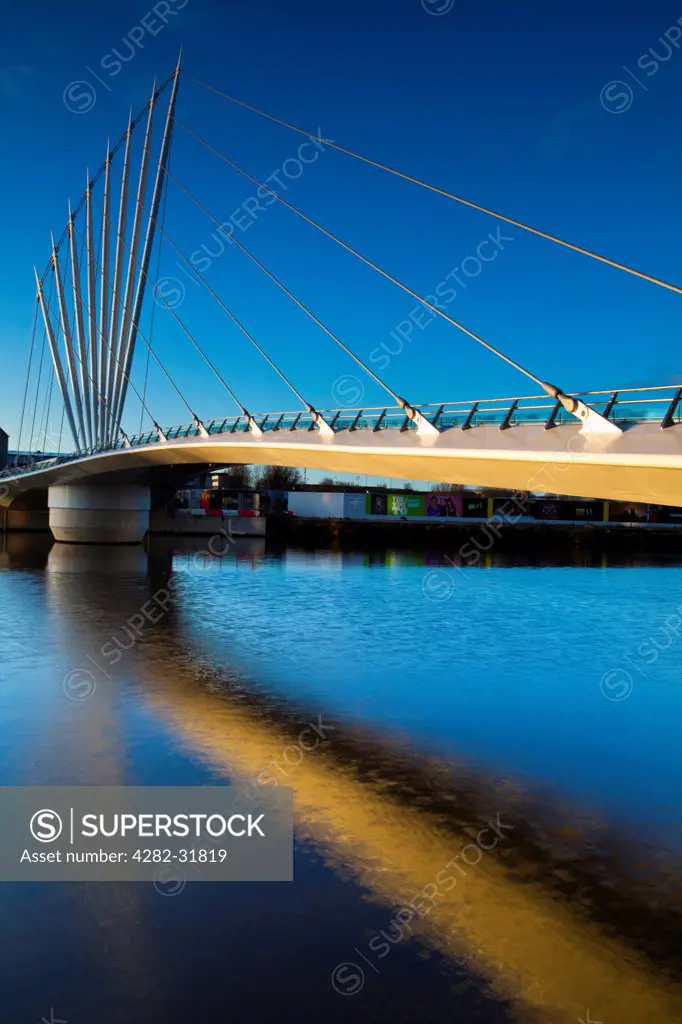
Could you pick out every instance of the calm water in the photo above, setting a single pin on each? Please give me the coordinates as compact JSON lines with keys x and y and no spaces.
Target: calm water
{"x":546,"y":699}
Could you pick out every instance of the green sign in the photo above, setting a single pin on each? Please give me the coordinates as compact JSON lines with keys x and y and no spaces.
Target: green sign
{"x":406,"y":505}
{"x":395,"y":504}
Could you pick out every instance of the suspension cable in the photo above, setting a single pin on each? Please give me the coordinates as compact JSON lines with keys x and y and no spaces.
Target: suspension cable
{"x":364,"y":259}
{"x":291,"y":295}
{"x":448,"y":195}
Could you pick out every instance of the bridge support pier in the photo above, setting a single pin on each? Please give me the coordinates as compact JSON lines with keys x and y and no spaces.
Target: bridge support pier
{"x":92,"y":514}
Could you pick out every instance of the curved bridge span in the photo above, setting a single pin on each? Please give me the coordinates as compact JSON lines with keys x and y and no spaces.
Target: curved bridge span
{"x":640,"y":462}
{"x":620,"y":445}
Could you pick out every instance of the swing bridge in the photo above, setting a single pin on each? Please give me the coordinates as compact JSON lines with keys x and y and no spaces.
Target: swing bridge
{"x":622,"y":444}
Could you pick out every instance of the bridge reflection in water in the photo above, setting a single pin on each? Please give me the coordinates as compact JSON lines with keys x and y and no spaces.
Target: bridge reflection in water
{"x":537,"y":917}
{"x":539,"y":937}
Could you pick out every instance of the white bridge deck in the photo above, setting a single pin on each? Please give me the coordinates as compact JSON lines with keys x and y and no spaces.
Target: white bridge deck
{"x":524,"y":444}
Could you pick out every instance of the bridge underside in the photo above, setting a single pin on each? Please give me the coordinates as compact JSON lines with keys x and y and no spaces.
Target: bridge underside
{"x":643,"y":463}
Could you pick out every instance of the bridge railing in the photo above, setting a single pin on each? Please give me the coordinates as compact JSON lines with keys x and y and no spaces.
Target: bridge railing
{"x":626,"y":407}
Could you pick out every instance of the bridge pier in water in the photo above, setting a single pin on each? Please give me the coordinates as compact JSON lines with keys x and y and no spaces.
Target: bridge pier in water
{"x":99,"y":514}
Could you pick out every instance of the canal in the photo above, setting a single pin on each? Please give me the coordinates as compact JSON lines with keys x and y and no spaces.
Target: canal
{"x":485,"y":760}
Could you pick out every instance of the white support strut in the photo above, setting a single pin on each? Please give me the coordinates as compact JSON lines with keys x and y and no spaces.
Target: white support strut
{"x":116,"y":289}
{"x":95,"y":399}
{"x":80,"y":330}
{"x":149,"y":240}
{"x":56,"y":361}
{"x":120,"y":369}
{"x":68,"y":346}
{"x":104,"y":305}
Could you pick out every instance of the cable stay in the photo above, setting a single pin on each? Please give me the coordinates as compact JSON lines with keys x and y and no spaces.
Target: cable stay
{"x":47,"y":399}
{"x":197,"y":421}
{"x":592,"y":421}
{"x":28,"y":372}
{"x":91,"y":324}
{"x":54,"y":377}
{"x":424,"y":428}
{"x":61,"y":431}
{"x":75,"y":423}
{"x":443,"y":192}
{"x":359,"y":255}
{"x":101,"y":395}
{"x":184,"y":401}
{"x":142,"y":401}
{"x":323,"y":426}
{"x":47,"y":310}
{"x":35,"y":404}
{"x":43,"y":432}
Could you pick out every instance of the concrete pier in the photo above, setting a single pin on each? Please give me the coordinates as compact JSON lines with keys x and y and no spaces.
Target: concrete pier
{"x":92,"y":514}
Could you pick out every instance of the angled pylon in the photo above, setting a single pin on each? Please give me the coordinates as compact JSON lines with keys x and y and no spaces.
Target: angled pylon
{"x":148,"y":243}
{"x":104,"y":303}
{"x":93,"y":333}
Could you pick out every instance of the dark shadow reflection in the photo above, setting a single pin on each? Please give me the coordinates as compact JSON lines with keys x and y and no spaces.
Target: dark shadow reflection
{"x":561,"y":914}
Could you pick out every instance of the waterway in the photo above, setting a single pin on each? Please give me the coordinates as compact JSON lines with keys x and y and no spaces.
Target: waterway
{"x":542,"y":698}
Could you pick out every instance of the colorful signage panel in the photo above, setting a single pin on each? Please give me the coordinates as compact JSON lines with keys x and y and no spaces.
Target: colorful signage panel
{"x":441,"y":506}
{"x":406,"y":504}
{"x":395,"y":504}
{"x":474,"y":508}
{"x":445,"y":506}
{"x":570,"y":511}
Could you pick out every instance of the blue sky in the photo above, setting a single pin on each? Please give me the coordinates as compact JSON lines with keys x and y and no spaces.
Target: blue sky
{"x":510,"y":105}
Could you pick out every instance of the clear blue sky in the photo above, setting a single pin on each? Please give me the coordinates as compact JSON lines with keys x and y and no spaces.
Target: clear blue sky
{"x":496,"y":101}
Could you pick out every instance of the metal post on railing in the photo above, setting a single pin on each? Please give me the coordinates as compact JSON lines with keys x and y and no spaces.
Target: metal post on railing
{"x":669,"y":418}
{"x":507,"y":421}
{"x":382,"y":417}
{"x":611,"y":403}
{"x":470,"y":415}
{"x":551,"y":419}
